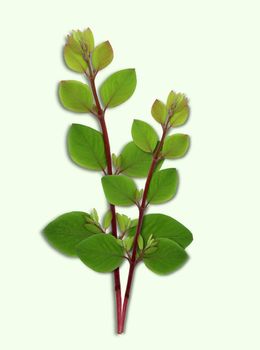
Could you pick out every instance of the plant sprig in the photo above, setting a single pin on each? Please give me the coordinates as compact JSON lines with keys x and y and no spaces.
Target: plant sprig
{"x":156,"y":239}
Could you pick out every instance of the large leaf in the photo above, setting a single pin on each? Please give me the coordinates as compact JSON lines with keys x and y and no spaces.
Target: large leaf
{"x":144,"y":136}
{"x":167,"y":258}
{"x":101,"y":253}
{"x":164,"y":226}
{"x":86,"y":147}
{"x":119,"y":190}
{"x":163,"y":186}
{"x":75,"y":96}
{"x":118,"y":88}
{"x":102,"y":55}
{"x":175,"y":146}
{"x":66,"y":231}
{"x":134,"y":161}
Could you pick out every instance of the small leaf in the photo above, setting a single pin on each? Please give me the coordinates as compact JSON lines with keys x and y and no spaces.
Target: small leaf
{"x":128,"y":243}
{"x":122,"y":221}
{"x":100,"y":252}
{"x":177,"y":104}
{"x":140,"y":242}
{"x":66,"y":231}
{"x":86,"y":147}
{"x":134,"y":161}
{"x":175,"y":146}
{"x":88,"y":39}
{"x":102,"y":56}
{"x":163,"y":226}
{"x":167,"y":258}
{"x":159,"y":111}
{"x":119,"y":190}
{"x":94,"y":216}
{"x":170,"y":100}
{"x":75,"y":96}
{"x":107,"y":220}
{"x":74,"y":60}
{"x":144,"y":136}
{"x":163,"y":186}
{"x":118,"y":88}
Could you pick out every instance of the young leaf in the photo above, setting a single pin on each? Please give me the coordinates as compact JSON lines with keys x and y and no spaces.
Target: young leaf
{"x":167,"y":258}
{"x":75,"y":96}
{"x":140,"y":242}
{"x":175,"y":146}
{"x":118,"y":88}
{"x":177,"y":104}
{"x":159,"y":111}
{"x":100,"y":252}
{"x":134,"y":161}
{"x":163,"y":186}
{"x":74,"y":59}
{"x":144,"y":136}
{"x":102,"y":56}
{"x":119,"y":190}
{"x":163,"y":226}
{"x":107,"y":220}
{"x":86,"y":147}
{"x":66,"y":231}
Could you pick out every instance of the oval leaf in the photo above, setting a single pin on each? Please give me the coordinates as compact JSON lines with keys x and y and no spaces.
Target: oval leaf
{"x":74,"y":60}
{"x":118,"y":88}
{"x":100,"y":252}
{"x":159,"y":111}
{"x":119,"y":190}
{"x":163,"y":186}
{"x":175,"y":146}
{"x":86,"y":147}
{"x":134,"y":162}
{"x":102,"y":56}
{"x":167,"y":258}
{"x":144,"y":136}
{"x":66,"y":231}
{"x":163,"y":226}
{"x":75,"y":96}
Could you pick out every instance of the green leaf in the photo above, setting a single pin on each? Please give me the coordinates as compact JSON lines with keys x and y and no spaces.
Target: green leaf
{"x":74,"y":60}
{"x":93,"y":228}
{"x":167,"y":258}
{"x":118,"y":88}
{"x":140,"y":242}
{"x":144,"y":136}
{"x":75,"y":96}
{"x":134,"y":161}
{"x":107,"y":219}
{"x":163,"y":186}
{"x":163,"y":226}
{"x":100,"y":252}
{"x":66,"y":231}
{"x":102,"y":56}
{"x":86,"y":147}
{"x":119,"y":190}
{"x":175,"y":146}
{"x":159,"y":111}
{"x":177,"y":105}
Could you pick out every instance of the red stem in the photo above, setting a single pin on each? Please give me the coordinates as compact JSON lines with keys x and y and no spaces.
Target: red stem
{"x":142,"y":210}
{"x":101,"y":118}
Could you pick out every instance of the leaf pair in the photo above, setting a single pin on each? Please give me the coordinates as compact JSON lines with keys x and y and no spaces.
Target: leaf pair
{"x":172,"y":238}
{"x":146,"y":138}
{"x":115,"y":90}
{"x":70,"y":235}
{"x":122,"y":191}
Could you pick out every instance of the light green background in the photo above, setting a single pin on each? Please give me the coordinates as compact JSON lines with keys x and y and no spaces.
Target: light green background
{"x":207,"y":49}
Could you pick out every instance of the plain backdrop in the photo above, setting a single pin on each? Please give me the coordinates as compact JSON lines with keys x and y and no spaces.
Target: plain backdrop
{"x":207,"y":49}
